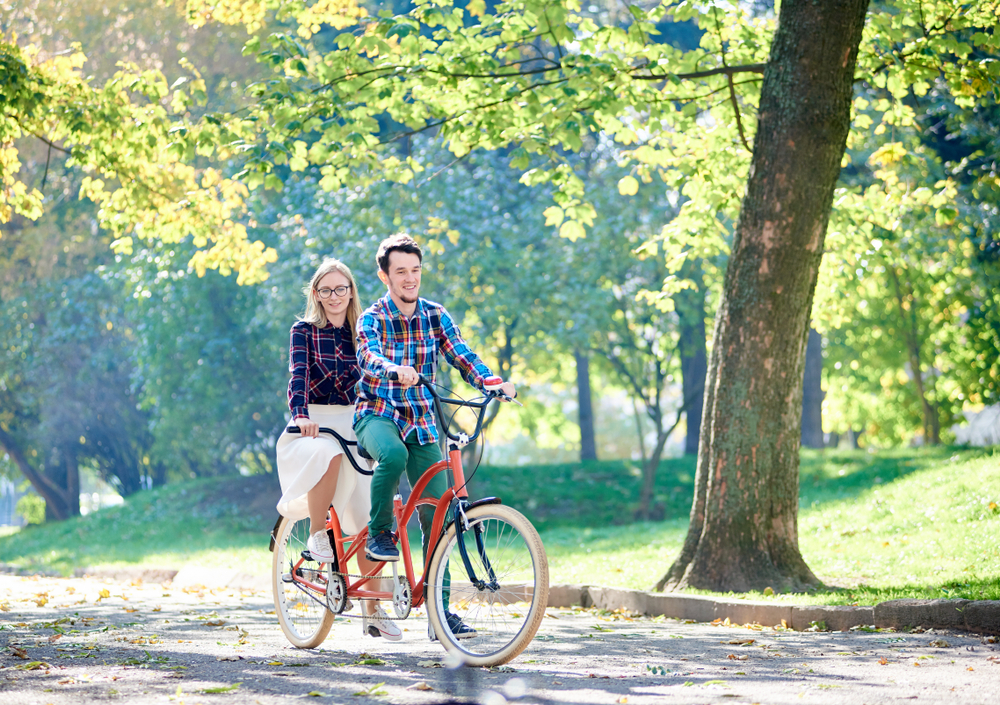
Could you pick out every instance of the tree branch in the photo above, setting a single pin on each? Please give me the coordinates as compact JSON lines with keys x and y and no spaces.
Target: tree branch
{"x":736,"y":109}
{"x":729,"y":70}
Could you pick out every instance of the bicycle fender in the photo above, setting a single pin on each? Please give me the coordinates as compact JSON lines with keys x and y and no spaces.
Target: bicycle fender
{"x":274,"y":533}
{"x":478,"y":503}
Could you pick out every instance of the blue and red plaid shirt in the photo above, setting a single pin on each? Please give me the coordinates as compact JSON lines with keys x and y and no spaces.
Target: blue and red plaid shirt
{"x":323,"y":365}
{"x":386,"y":337}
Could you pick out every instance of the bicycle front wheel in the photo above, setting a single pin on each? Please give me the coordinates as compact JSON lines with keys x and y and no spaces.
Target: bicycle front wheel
{"x":301,"y":610}
{"x":507,"y":605}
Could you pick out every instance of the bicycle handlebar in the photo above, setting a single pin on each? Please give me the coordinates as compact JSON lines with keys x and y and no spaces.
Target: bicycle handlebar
{"x":480,"y":406}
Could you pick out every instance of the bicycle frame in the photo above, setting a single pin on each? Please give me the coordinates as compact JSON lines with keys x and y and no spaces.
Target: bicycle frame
{"x":457,"y":494}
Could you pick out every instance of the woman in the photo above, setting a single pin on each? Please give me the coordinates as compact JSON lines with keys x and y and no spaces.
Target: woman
{"x":321,"y":392}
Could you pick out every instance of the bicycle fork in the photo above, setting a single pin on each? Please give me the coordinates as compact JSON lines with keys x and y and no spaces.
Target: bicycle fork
{"x":461,"y":526}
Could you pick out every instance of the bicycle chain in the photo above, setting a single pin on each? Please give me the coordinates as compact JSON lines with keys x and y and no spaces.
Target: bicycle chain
{"x":364,"y":599}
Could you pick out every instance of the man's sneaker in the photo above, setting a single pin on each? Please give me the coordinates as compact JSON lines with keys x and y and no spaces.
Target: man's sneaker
{"x":320,"y":548}
{"x":379,"y":624}
{"x":380,"y":547}
{"x":460,"y":629}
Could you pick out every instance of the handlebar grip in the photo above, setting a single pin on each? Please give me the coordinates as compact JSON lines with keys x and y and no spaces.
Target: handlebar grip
{"x":393,"y":376}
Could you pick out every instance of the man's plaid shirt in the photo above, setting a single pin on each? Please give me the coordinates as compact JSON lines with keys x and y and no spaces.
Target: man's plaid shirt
{"x":386,"y":337}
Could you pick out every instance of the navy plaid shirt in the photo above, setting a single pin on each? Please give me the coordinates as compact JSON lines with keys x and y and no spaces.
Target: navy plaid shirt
{"x":323,"y":365}
{"x":386,"y":337}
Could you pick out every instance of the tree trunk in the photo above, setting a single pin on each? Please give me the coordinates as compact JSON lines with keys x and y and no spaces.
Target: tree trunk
{"x":649,"y":467}
{"x":744,"y":520}
{"x":812,"y":393}
{"x":690,"y":306}
{"x":911,"y":331}
{"x":53,"y":494}
{"x":588,"y":446}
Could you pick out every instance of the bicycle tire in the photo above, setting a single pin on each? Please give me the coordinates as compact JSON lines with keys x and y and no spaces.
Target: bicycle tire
{"x":304,"y":621}
{"x":504,"y":624}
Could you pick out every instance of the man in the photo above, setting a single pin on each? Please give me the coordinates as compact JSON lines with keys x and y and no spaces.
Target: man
{"x":405,"y":334}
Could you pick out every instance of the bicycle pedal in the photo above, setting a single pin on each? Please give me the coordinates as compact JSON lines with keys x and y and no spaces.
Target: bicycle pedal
{"x":287,"y":578}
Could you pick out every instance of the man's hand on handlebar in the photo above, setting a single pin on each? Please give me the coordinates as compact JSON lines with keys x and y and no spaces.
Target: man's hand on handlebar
{"x":507,"y":389}
{"x":307,"y":427}
{"x":406,"y":376}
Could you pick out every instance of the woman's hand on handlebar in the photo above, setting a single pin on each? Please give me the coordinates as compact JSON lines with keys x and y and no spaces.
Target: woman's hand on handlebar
{"x":308,"y":428}
{"x":406,"y":376}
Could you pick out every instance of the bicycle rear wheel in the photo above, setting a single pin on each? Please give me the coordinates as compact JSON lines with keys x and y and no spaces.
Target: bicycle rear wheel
{"x":301,"y":610}
{"x":507,"y":611}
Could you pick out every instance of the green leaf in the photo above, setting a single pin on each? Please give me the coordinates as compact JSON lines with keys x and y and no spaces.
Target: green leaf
{"x":945,"y":216}
{"x":222,"y":689}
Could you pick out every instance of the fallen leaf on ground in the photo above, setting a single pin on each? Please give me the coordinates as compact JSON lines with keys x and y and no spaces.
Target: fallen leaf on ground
{"x":318,"y":694}
{"x":222,"y":689}
{"x":33,"y":666}
{"x":939,"y":644}
{"x":20,"y":653}
{"x":419,"y":686}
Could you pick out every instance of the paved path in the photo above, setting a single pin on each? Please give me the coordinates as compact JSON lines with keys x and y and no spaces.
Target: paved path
{"x":66,"y":641}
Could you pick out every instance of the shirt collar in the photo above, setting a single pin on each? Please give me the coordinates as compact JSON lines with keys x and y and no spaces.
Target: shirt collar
{"x":393,"y":309}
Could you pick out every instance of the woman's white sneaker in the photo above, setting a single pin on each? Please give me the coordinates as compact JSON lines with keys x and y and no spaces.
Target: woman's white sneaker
{"x":320,"y":548}
{"x":379,"y":624}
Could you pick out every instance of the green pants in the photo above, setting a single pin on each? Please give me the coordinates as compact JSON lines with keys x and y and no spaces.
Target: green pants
{"x":394,"y":455}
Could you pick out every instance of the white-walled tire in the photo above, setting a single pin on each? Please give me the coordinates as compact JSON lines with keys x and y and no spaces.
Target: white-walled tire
{"x":304,"y":620}
{"x":506,"y":616}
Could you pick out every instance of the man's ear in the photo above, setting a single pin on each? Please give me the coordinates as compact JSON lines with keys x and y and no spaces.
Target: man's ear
{"x":384,"y":277}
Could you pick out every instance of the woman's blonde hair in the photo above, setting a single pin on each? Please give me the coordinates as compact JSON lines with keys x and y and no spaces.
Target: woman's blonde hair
{"x":315,"y":313}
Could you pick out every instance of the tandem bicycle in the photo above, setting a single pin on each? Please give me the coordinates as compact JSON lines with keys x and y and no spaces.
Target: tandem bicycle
{"x":499,"y":578}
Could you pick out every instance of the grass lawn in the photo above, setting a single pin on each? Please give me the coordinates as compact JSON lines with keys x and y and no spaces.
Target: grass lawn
{"x":904,"y":523}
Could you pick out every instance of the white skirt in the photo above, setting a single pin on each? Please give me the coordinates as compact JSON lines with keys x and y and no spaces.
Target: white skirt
{"x":302,"y":462}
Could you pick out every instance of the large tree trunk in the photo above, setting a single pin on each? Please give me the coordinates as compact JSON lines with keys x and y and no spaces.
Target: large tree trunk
{"x":744,"y":520}
{"x":812,"y":393}
{"x":690,"y":306}
{"x":588,"y":445}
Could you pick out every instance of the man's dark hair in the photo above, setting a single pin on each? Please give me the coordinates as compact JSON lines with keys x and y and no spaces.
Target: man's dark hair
{"x":396,"y":243}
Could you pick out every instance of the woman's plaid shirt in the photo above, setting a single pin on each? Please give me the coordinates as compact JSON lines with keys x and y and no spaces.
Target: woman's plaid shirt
{"x":386,"y":337}
{"x":323,"y":366}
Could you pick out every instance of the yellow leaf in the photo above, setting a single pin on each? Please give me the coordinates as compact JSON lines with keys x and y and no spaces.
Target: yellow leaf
{"x":628,"y":186}
{"x":553,"y":215}
{"x":476,"y":8}
{"x":103,"y":594}
{"x":572,"y":231}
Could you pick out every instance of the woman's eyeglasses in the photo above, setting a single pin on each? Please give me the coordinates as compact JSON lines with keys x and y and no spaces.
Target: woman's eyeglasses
{"x":325,"y":293}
